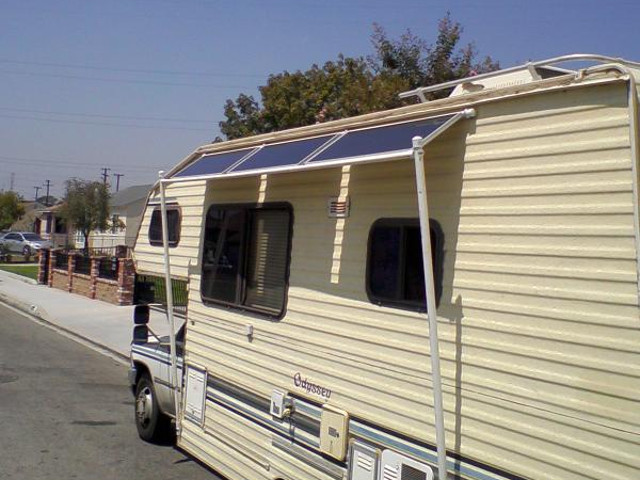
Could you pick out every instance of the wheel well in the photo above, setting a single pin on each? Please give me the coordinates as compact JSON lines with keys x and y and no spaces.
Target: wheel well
{"x":141,"y":369}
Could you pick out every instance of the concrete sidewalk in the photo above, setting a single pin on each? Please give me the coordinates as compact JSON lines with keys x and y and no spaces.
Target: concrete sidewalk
{"x":106,"y":326}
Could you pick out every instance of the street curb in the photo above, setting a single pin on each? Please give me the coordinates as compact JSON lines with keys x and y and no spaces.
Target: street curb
{"x":36,"y":314}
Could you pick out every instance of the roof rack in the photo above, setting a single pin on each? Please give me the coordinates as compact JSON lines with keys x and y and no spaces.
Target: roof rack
{"x":529,"y":66}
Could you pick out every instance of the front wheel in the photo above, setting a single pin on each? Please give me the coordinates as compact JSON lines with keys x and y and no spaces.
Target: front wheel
{"x":26,"y":251}
{"x":152,"y":424}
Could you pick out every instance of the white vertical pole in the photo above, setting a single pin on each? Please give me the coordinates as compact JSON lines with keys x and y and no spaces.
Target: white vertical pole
{"x":169,"y":291}
{"x":427,"y":265}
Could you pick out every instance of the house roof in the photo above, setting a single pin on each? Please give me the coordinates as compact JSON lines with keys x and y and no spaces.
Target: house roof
{"x":130,"y":195}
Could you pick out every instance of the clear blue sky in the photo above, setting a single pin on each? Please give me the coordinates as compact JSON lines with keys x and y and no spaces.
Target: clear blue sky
{"x":136,"y":85}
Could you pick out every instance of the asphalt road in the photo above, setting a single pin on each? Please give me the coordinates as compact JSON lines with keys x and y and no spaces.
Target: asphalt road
{"x":66,"y":412}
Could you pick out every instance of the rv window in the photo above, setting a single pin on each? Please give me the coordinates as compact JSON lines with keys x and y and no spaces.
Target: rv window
{"x":394,"y":267}
{"x":246,"y":257}
{"x":173,"y":222}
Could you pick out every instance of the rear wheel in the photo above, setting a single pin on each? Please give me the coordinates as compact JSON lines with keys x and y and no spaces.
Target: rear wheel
{"x":152,"y":424}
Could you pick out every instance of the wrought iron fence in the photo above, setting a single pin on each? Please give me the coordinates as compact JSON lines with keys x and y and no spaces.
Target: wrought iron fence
{"x":108,"y":267}
{"x":62,"y":260}
{"x":120,"y":251}
{"x":82,"y":265}
{"x":152,"y":289}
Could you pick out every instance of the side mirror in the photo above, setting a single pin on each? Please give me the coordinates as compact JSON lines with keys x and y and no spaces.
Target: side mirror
{"x":141,"y":314}
{"x":140,"y":334}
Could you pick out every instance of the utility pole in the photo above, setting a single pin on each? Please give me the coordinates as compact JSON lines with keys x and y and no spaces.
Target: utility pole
{"x":47,"y":184}
{"x":118,"y":175}
{"x":105,"y":174}
{"x":13,"y":181}
{"x":37,"y":190}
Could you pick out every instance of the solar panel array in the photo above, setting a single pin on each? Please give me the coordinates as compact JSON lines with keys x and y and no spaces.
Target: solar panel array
{"x":351,"y":144}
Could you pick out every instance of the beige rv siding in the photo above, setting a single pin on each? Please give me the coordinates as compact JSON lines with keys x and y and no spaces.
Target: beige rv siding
{"x":539,"y":325}
{"x":149,"y":259}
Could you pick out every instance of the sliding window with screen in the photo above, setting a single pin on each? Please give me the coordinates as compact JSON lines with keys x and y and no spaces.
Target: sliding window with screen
{"x":246,"y":257}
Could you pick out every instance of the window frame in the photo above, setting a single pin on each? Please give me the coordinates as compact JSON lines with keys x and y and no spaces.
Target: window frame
{"x":158,"y":242}
{"x":437,"y":252}
{"x":241,"y":278}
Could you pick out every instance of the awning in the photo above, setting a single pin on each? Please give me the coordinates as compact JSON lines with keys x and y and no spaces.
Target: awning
{"x":361,"y":145}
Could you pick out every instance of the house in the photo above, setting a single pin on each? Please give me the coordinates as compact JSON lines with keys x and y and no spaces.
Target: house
{"x":127,"y":207}
{"x":53,"y":227}
{"x":46,"y":222}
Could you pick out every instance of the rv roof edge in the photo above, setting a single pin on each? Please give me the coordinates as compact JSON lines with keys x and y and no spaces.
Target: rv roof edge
{"x":576,"y":57}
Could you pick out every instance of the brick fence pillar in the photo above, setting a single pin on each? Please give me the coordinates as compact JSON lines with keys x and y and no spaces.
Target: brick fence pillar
{"x":52,"y":263}
{"x":43,"y":263}
{"x":71,"y":266}
{"x":126,"y":280}
{"x":95,"y":265}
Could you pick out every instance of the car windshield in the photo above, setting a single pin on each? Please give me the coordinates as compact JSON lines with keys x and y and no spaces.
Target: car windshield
{"x":32,"y":237}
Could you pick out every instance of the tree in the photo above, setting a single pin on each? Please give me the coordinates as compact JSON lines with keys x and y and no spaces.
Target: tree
{"x":86,"y":207}
{"x":422,"y":64}
{"x":338,"y":89}
{"x":44,"y":200}
{"x":11,"y":209}
{"x":353,"y":86}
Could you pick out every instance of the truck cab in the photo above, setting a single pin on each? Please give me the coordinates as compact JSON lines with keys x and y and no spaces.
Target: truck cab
{"x":150,"y":377}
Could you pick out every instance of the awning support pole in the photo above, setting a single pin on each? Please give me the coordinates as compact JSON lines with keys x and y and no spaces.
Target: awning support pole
{"x":427,"y":265}
{"x":173,"y":378}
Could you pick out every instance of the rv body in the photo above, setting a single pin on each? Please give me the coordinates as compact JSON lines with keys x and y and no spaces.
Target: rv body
{"x":312,"y":360}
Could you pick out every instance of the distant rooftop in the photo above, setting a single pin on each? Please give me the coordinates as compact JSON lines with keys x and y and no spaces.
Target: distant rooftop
{"x":130,"y":195}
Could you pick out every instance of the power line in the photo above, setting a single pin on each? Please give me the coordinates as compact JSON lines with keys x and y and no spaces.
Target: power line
{"x":118,"y":175}
{"x":132,"y":70}
{"x":121,"y":80}
{"x":105,"y":124}
{"x":97,"y":115}
{"x":47,"y":184}
{"x":64,"y":163}
{"x":105,"y":174}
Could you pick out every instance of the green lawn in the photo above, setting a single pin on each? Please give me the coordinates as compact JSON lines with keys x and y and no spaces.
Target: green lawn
{"x":30,"y":271}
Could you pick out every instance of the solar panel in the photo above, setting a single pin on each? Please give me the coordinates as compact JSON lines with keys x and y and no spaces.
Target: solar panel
{"x":362,"y":143}
{"x":379,"y":139}
{"x":210,"y":164}
{"x":282,"y":154}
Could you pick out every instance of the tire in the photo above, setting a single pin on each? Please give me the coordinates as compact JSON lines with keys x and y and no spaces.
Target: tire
{"x":153,"y":426}
{"x":26,"y":251}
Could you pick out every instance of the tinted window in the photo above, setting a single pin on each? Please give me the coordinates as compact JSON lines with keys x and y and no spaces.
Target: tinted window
{"x":246,"y":257}
{"x":32,"y":237}
{"x":173,"y":222}
{"x":395,"y":275}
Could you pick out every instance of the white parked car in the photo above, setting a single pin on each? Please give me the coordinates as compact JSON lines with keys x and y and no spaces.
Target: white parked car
{"x":26,"y":243}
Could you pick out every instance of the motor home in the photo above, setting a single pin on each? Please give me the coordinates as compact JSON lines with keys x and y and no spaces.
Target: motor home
{"x":443,"y":290}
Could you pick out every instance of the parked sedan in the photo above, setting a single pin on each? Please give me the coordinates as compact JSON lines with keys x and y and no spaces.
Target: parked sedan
{"x":26,"y":243}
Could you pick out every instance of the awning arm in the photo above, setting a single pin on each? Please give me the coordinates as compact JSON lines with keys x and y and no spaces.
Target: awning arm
{"x":427,"y":265}
{"x":173,"y":378}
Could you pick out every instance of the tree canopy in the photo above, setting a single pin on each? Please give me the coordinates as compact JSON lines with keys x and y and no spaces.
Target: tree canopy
{"x":352,"y":86}
{"x":86,"y":206}
{"x":11,"y":209}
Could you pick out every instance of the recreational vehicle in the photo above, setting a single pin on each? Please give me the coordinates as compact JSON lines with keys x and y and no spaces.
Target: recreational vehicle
{"x":443,"y":290}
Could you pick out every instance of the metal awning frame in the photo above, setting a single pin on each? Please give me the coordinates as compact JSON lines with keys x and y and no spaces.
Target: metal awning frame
{"x":417,"y":152}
